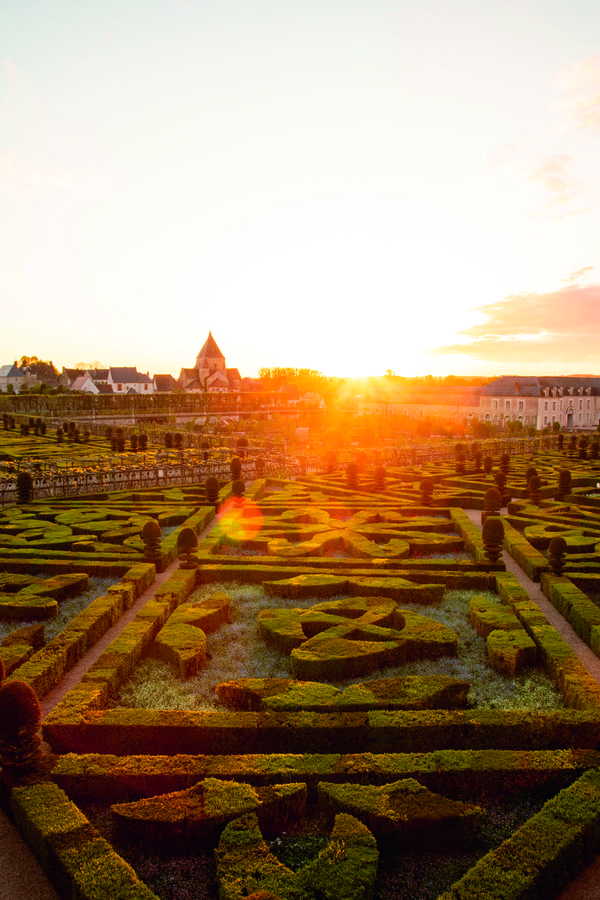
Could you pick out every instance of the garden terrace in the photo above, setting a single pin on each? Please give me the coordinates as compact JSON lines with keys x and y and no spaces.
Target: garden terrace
{"x":405,"y":624}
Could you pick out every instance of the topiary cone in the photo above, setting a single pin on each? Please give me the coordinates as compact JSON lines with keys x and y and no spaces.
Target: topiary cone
{"x":20,"y":719}
{"x":493,"y":536}
{"x":211,"y":489}
{"x":187,"y":542}
{"x":151,"y":536}
{"x":557,"y":551}
{"x":492,"y":501}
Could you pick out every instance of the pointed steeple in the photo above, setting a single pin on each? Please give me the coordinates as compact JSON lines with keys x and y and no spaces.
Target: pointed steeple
{"x":209,"y":350}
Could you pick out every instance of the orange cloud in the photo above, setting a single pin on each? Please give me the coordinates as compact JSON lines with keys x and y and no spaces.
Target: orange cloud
{"x":560,"y":327}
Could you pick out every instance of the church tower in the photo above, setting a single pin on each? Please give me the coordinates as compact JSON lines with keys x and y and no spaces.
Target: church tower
{"x":210,"y":359}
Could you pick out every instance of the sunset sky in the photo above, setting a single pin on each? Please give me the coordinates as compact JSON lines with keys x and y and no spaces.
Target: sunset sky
{"x":344,"y":185}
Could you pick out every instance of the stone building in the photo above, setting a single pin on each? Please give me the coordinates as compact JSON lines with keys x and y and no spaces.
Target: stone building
{"x":210,"y":372}
{"x":572,"y":401}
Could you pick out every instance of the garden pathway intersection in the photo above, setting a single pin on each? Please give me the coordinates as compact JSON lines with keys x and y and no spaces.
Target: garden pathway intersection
{"x":21,"y":877}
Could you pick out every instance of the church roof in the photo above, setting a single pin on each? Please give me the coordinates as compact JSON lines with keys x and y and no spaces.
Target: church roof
{"x":210,"y":349}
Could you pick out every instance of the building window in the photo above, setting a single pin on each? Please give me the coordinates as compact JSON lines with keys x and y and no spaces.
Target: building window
{"x":119,"y":387}
{"x":553,"y":406}
{"x":521,"y":405}
{"x":507,"y":404}
{"x":545,"y":405}
{"x":545,"y":420}
{"x":494,"y":404}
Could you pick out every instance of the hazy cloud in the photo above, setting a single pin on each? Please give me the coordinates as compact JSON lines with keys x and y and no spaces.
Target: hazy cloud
{"x":578,"y":275}
{"x":537,"y":328}
{"x":581,"y":84}
{"x":559,"y":185}
{"x":17,"y":179}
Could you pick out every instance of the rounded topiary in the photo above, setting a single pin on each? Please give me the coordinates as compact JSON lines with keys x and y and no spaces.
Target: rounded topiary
{"x":238,"y":488}
{"x":557,"y":550}
{"x":24,"y":487}
{"x":530,"y":472}
{"x":379,"y":478}
{"x":426,"y":488}
{"x":20,"y":719}
{"x":235,"y":467}
{"x":151,"y":536}
{"x":352,"y":475}
{"x":187,"y":543}
{"x":534,"y":486}
{"x":564,"y":484}
{"x":492,"y":503}
{"x":493,"y":537}
{"x":211,"y":489}
{"x":488,"y":464}
{"x":19,"y":708}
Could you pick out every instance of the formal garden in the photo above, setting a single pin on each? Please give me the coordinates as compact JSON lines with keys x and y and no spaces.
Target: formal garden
{"x":329,"y":685}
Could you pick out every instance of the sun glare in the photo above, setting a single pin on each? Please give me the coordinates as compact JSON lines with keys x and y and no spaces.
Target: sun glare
{"x":239,"y":519}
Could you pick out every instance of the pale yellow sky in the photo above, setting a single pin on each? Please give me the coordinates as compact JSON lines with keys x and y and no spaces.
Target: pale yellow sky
{"x":350,"y":187}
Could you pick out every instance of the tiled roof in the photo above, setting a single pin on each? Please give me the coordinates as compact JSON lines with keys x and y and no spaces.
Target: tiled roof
{"x":526,"y":386}
{"x":128,"y":375}
{"x":165,"y":383}
{"x":11,"y":371}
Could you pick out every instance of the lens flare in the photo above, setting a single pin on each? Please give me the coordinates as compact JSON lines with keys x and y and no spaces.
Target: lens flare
{"x":240,"y":519}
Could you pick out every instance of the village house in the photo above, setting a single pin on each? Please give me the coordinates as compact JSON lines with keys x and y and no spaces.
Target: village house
{"x":11,"y":376}
{"x":127,"y":380}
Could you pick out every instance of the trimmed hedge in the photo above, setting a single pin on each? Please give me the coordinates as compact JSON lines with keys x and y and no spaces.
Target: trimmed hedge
{"x":545,"y":854}
{"x":48,"y":665}
{"x":576,"y":607}
{"x":127,"y":731}
{"x":473,"y":773}
{"x":79,"y":863}
{"x":527,"y":557}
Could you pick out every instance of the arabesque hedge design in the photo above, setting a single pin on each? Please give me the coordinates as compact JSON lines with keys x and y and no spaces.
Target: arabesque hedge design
{"x":317,"y":535}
